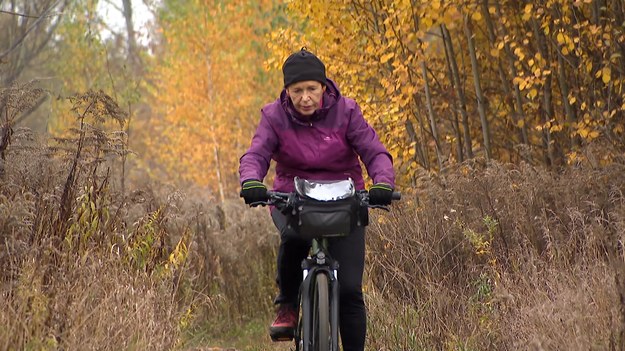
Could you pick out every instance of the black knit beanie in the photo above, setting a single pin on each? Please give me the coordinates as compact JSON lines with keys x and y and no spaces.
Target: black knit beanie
{"x":303,"y":65}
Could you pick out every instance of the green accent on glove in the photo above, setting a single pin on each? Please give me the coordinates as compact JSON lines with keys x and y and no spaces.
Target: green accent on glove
{"x":253,"y":190}
{"x":252,"y":184}
{"x":381,"y":186}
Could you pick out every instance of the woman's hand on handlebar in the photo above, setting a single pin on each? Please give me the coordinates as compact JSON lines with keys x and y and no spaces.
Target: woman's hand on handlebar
{"x":253,"y":191}
{"x":365,"y":201}
{"x":380,"y":194}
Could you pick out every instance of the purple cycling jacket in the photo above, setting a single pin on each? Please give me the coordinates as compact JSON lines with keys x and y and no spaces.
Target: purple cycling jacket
{"x":325,"y":146}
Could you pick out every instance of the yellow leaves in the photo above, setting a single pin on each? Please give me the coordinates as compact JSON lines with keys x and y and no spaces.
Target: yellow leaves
{"x":390,"y":33}
{"x":178,"y":255}
{"x":572,"y":158}
{"x":587,"y":133}
{"x":566,"y":43}
{"x":450,"y":17}
{"x":606,"y":74}
{"x":386,"y":57}
{"x":394,"y":153}
{"x":386,"y":83}
{"x":556,"y":128}
{"x":527,"y":12}
{"x":271,"y":63}
{"x":541,"y":73}
{"x":587,"y":127}
{"x":521,"y":82}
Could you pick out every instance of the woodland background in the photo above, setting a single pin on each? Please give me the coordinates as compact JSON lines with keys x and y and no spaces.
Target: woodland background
{"x":120,"y":221}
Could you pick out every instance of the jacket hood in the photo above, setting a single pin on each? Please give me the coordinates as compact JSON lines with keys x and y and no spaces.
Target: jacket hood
{"x":330,"y":98}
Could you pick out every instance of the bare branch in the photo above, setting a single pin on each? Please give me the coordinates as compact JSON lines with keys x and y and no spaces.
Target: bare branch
{"x":32,"y":27}
{"x":28,"y":16}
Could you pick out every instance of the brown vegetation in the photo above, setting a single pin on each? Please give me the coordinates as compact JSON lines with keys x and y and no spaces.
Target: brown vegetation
{"x":487,"y":257}
{"x":502,"y":258}
{"x":87,"y":267}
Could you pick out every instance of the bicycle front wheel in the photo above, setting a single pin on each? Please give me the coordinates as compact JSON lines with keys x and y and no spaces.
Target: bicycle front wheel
{"x":321,"y":314}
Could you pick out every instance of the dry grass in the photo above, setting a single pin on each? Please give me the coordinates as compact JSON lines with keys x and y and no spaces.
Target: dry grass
{"x":505,"y":258}
{"x":86,"y":267}
{"x":488,"y":258}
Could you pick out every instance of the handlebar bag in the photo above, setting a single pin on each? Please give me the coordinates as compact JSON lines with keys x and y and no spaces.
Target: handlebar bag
{"x":325,"y":208}
{"x":315,"y":219}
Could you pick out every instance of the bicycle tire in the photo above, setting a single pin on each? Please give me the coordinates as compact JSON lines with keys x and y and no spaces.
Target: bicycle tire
{"x":321,"y":314}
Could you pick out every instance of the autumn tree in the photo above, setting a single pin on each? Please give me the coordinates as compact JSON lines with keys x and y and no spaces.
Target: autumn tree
{"x":446,"y":80}
{"x":210,"y":86}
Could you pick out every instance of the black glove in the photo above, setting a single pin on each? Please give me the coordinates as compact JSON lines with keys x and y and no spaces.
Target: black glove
{"x":380,"y":194}
{"x":253,"y":190}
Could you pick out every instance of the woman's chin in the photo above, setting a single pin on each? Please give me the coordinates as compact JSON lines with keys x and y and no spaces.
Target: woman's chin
{"x":306,"y":112}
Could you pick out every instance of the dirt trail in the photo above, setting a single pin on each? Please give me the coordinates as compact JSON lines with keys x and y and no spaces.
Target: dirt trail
{"x":282,"y":346}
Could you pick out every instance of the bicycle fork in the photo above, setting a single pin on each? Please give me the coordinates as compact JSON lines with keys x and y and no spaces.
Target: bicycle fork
{"x":319,"y":263}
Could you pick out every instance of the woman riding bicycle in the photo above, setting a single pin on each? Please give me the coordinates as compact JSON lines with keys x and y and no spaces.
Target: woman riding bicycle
{"x":313,"y":132}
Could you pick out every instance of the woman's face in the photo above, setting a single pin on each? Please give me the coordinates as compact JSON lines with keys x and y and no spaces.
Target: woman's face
{"x":306,"y":96}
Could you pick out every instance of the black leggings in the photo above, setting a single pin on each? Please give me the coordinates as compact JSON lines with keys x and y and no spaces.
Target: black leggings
{"x":350,"y":252}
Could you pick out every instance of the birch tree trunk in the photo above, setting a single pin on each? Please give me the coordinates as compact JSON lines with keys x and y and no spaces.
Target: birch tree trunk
{"x":478,"y":88}
{"x":571,"y":115}
{"x":548,"y":113}
{"x":461,"y":99}
{"x":454,"y":121}
{"x":133,"y":52}
{"x":432,"y":115}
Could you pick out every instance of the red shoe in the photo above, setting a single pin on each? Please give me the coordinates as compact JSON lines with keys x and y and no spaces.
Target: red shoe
{"x":283,"y":328}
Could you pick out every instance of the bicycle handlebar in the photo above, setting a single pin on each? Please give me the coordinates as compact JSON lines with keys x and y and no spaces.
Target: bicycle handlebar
{"x":277,"y":198}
